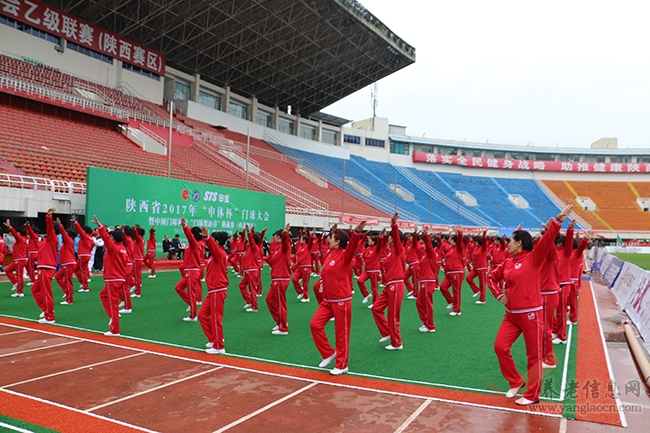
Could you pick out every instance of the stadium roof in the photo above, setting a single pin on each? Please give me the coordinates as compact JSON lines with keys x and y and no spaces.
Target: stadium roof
{"x":304,"y":53}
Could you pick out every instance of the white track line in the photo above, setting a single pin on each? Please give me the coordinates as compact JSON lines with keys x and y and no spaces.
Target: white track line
{"x":301,"y":379}
{"x":40,"y":348}
{"x":73,"y":409}
{"x":563,"y":424}
{"x":70,"y":371}
{"x":156,"y":388}
{"x":14,"y":428}
{"x":565,"y":367}
{"x":265,"y":408}
{"x":13,"y":332}
{"x":609,"y":364}
{"x":414,"y":415}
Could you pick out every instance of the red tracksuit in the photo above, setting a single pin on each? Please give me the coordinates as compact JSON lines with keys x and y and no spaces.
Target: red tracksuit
{"x":413,"y":261}
{"x":549,"y":285}
{"x":521,"y":275}
{"x":138,"y":258}
{"x":337,"y":303}
{"x":211,"y":313}
{"x":115,"y":261}
{"x":19,"y":255}
{"x":564,"y":269}
{"x":191,"y":271}
{"x":371,"y":269}
{"x":47,"y":263}
{"x":32,"y":253}
{"x":315,"y":254}
{"x":392,"y":295}
{"x":150,"y":257}
{"x":250,"y":267}
{"x":125,"y":294}
{"x":428,"y":277}
{"x":479,"y":268}
{"x":454,"y":272}
{"x":276,"y":298}
{"x":576,"y":272}
{"x":68,"y":263}
{"x":85,"y":248}
{"x":303,"y":267}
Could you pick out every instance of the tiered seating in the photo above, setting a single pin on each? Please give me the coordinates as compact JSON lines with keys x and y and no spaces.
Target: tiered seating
{"x":203,"y":169}
{"x":55,"y":79}
{"x":616,"y":207}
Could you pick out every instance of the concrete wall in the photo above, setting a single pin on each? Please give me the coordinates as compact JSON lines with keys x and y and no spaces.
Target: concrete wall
{"x":28,"y":202}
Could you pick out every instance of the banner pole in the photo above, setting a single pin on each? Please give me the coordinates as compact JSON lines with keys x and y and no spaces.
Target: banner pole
{"x":248,"y":149}
{"x":169,"y":143}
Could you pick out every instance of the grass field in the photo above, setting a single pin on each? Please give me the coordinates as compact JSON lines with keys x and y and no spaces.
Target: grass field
{"x":459,"y":355}
{"x":641,"y":260}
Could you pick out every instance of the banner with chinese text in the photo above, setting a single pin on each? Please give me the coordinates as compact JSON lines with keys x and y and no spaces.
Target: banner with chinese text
{"x":126,"y":198}
{"x":62,"y":24}
{"x":530,"y":165}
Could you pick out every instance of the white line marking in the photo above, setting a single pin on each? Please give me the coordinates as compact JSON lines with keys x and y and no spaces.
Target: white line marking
{"x":156,"y":388}
{"x":301,"y":379}
{"x":265,"y":408}
{"x":562,"y":425}
{"x":609,"y":364}
{"x":565,"y":367}
{"x":39,"y":348}
{"x":414,"y":415}
{"x":70,"y":371}
{"x":59,"y":405}
{"x":14,"y":428}
{"x":13,"y":332}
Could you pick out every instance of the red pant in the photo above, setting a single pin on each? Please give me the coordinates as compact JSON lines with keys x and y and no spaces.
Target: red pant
{"x":300,"y":280}
{"x":373,"y":276}
{"x":248,"y":287}
{"x":559,"y":324}
{"x":31,"y":265}
{"x":481,"y":282}
{"x":16,"y":278}
{"x":187,"y":288}
{"x":276,"y":300}
{"x":315,"y":262}
{"x":342,"y":313}
{"x":137,"y":275}
{"x":513,"y":325}
{"x":149,"y":261}
{"x":64,"y":279}
{"x":317,"y":291}
{"x":110,"y":301}
{"x":455,"y":280}
{"x":572,"y":302}
{"x":550,"y":304}
{"x":424,"y":303}
{"x":42,"y":292}
{"x":211,"y":317}
{"x":82,"y":271}
{"x":357,"y":264}
{"x":390,"y":298}
{"x":412,"y":272}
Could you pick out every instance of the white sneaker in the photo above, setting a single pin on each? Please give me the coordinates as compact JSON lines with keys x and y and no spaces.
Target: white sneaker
{"x":189,"y":319}
{"x":213,"y":351}
{"x":17,"y":295}
{"x":391,"y":347}
{"x":29,"y":283}
{"x":247,"y":306}
{"x":300,"y":296}
{"x":65,"y":303}
{"x":525,"y":402}
{"x":278,"y":332}
{"x":304,"y":300}
{"x":120,"y":305}
{"x":545,"y":365}
{"x":44,"y":320}
{"x":332,"y":319}
{"x":423,"y":328}
{"x":124,"y":311}
{"x":554,"y":336}
{"x":476,"y":294}
{"x":450,"y":306}
{"x":480,"y":302}
{"x":110,"y":334}
{"x":203,"y":280}
{"x":259,"y":295}
{"x":187,"y":309}
{"x":558,"y":341}
{"x":512,"y":392}
{"x":250,"y":310}
{"x":453,"y":313}
{"x":386,"y":338}
{"x":338,"y":371}
{"x":14,"y":287}
{"x":135,"y":295}
{"x":366,"y":299}
{"x":370,"y":306}
{"x":326,"y":361}
{"x":275,"y":328}
{"x":40,"y":316}
{"x":353,"y":292}
{"x":132,"y":289}
{"x":411,"y":297}
{"x":83,"y":290}
{"x":152,"y":276}
{"x":409,"y":294}
{"x":209,"y":344}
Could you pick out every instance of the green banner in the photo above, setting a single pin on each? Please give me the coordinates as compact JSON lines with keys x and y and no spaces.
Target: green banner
{"x":126,"y":198}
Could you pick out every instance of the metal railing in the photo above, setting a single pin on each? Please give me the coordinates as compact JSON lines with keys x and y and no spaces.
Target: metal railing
{"x":42,"y":184}
{"x":149,"y":133}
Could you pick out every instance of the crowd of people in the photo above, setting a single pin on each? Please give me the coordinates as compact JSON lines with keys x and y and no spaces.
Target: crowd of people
{"x":537,"y":279}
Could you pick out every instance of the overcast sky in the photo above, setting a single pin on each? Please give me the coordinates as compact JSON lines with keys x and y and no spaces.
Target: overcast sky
{"x":550,"y":73}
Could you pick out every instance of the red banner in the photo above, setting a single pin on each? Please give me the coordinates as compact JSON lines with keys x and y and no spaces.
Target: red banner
{"x":530,"y":165}
{"x":471,"y":229}
{"x":349,"y":219}
{"x":435,"y":228}
{"x":54,"y":21}
{"x":406,"y":225}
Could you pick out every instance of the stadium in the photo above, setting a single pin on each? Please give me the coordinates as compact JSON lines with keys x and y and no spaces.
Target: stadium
{"x":146,"y":112}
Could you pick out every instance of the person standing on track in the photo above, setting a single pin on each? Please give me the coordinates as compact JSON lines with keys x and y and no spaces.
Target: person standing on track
{"x":428,"y":270}
{"x":190,"y":270}
{"x":47,"y":263}
{"x":276,"y":298}
{"x":454,"y":271}
{"x":216,"y":279}
{"x":150,"y":257}
{"x":523,"y":300}
{"x":250,"y":267}
{"x":479,"y":268}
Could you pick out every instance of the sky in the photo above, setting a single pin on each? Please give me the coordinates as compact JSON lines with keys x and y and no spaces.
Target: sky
{"x":552,"y":74}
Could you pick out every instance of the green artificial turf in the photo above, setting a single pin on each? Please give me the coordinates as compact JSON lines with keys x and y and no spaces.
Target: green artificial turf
{"x":459,"y":355}
{"x":641,"y":260}
{"x":6,"y":422}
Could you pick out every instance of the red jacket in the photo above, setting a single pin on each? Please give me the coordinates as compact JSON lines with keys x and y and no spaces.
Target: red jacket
{"x":251,"y":254}
{"x":479,"y":255}
{"x":280,"y":259}
{"x":115,"y":258}
{"x":549,"y":274}
{"x":429,"y":267}
{"x":371,"y":256}
{"x":138,"y":245}
{"x":521,"y":274}
{"x":86,"y":242}
{"x":216,"y":275}
{"x":128,"y":244}
{"x":67,"y":249}
{"x":151,"y":242}
{"x":454,"y":262}
{"x":192,"y":256}
{"x":337,"y":271}
{"x":395,"y":262}
{"x":20,"y":246}
{"x":564,"y":258}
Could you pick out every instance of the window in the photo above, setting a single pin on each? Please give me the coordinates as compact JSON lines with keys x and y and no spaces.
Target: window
{"x":472,"y":152}
{"x":570,"y":158}
{"x":448,"y":150}
{"x":285,"y":126}
{"x":620,"y":159}
{"x":594,"y":158}
{"x":181,"y":90}
{"x":209,"y":100}
{"x":375,"y":143}
{"x":264,"y":119}
{"x":422,"y":148}
{"x":29,"y":29}
{"x":493,"y":154}
{"x":351,"y":139}
{"x":238,"y":110}
{"x":399,"y":148}
{"x":90,"y":53}
{"x":643,"y":159}
{"x":308,"y":132}
{"x":140,"y":71}
{"x":545,"y":157}
{"x":329,"y":137}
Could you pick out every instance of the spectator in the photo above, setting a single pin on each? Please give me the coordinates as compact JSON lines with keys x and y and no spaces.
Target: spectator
{"x":167,"y":247}
{"x":177,"y":248}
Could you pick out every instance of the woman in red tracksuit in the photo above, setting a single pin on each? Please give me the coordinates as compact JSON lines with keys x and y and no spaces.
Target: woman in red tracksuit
{"x":301,"y":273}
{"x":248,"y":286}
{"x":564,"y":246}
{"x":337,"y":299}
{"x":454,"y":271}
{"x":216,"y":279}
{"x":15,"y":269}
{"x":391,"y":297}
{"x":428,"y":277}
{"x":280,"y":262}
{"x":576,"y":273}
{"x":190,"y":269}
{"x":85,"y":248}
{"x":479,"y":268}
{"x":138,"y":260}
{"x":32,"y":254}
{"x":149,"y":258}
{"x":47,"y":263}
{"x":523,"y":301}
{"x":413,"y":261}
{"x":68,"y":263}
{"x":371,"y":268}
